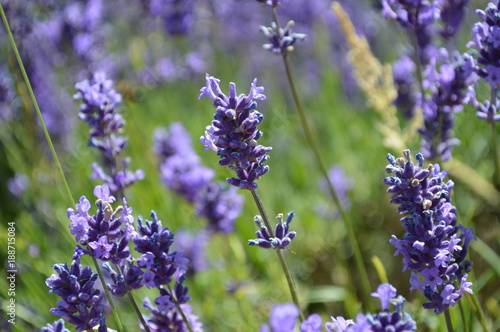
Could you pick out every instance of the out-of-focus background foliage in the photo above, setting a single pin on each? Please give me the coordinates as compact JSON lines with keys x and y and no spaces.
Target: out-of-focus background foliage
{"x":159,"y":69}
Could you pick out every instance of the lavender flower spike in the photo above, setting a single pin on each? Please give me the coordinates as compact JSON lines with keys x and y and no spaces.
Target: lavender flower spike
{"x":281,"y":40}
{"x":283,"y":237}
{"x":80,"y":304}
{"x":233,"y":133}
{"x":434,"y":246}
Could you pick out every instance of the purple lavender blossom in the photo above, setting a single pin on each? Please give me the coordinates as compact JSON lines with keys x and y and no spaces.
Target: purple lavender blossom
{"x":7,"y":95}
{"x":283,"y":318}
{"x":107,"y":232}
{"x":341,"y":183}
{"x":57,"y":326}
{"x":452,"y":16}
{"x":338,"y":324}
{"x":154,"y":242}
{"x":486,"y":39}
{"x":221,"y":205}
{"x":451,"y":88}
{"x":129,"y":277}
{"x":172,"y":141}
{"x":81,"y":303}
{"x":383,"y":321}
{"x":281,"y":40}
{"x":283,"y":237}
{"x":194,"y":248}
{"x":98,"y":109}
{"x":402,"y":71}
{"x":434,"y":246}
{"x":185,"y":175}
{"x":177,"y":15}
{"x":18,"y":184}
{"x":411,"y":14}
{"x":233,"y":133}
{"x":487,"y":110}
{"x":171,"y":321}
{"x":313,"y":323}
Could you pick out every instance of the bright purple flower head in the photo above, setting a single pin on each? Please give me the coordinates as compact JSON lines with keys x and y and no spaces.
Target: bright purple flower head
{"x":57,"y":326}
{"x":107,"y":232}
{"x":412,"y":14}
{"x":434,"y":246}
{"x":80,"y":304}
{"x":172,"y":318}
{"x":338,"y":324}
{"x":283,"y":237}
{"x":234,"y":134}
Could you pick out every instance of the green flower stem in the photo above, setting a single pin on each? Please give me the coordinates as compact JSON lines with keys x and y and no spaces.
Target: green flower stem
{"x":462,"y":316}
{"x":360,"y":265}
{"x":416,"y":59}
{"x":68,"y":196}
{"x":110,"y":300}
{"x":284,"y":265}
{"x":134,"y":305}
{"x":447,"y":317}
{"x":184,"y":318}
{"x":37,"y":108}
{"x":478,"y":310}
{"x":496,"y":157}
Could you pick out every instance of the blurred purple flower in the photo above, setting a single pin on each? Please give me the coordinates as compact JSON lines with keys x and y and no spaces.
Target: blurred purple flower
{"x":194,"y":248}
{"x":283,"y":318}
{"x":221,"y":205}
{"x":18,"y":184}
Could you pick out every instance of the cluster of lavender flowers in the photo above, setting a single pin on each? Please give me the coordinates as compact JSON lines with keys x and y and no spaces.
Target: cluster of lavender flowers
{"x":182,"y":171}
{"x":486,"y":36}
{"x":283,"y":317}
{"x":81,"y":303}
{"x":446,"y":81}
{"x":99,"y":110}
{"x":233,"y":133}
{"x":176,"y":15}
{"x":450,"y":87}
{"x":105,"y":236}
{"x":434,"y":246}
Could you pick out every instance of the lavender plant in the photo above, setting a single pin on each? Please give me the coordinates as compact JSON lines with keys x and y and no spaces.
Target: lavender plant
{"x":233,"y":135}
{"x":485,"y":39}
{"x":434,"y":246}
{"x":81,"y":303}
{"x":98,"y":110}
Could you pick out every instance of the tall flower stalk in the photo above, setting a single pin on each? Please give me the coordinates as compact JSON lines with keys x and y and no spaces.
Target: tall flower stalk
{"x":281,"y":41}
{"x":233,"y":134}
{"x":68,"y":196}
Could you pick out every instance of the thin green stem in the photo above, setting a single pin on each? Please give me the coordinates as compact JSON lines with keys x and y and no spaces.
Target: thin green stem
{"x":290,"y":281}
{"x":37,"y":108}
{"x":184,"y":318}
{"x":447,"y":317}
{"x":134,"y":304}
{"x":462,"y":316}
{"x":416,"y":58}
{"x":494,"y":132}
{"x":108,"y":295}
{"x":284,"y":265}
{"x":69,"y":196}
{"x":360,"y":265}
{"x":478,"y":310}
{"x":262,"y":211}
